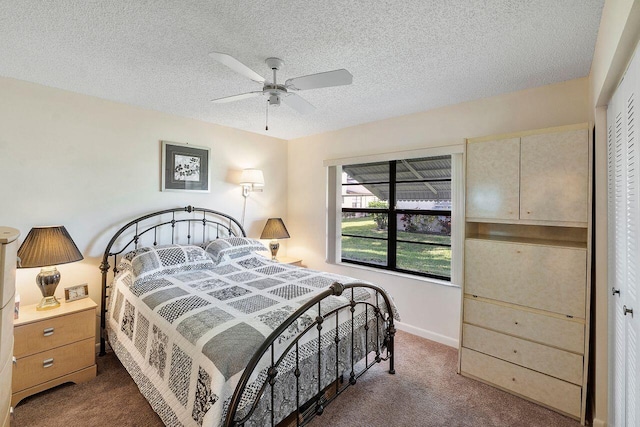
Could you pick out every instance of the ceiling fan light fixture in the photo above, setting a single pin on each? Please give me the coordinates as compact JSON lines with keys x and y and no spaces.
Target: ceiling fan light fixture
{"x":274,"y":100}
{"x":282,"y":92}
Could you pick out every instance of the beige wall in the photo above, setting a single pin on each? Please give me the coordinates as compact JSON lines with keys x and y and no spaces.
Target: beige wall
{"x":618,"y":35}
{"x":91,"y":164}
{"x":427,"y":308}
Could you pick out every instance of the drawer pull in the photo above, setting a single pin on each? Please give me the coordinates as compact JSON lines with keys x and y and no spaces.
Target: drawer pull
{"x":47,"y":363}
{"x":626,"y":310}
{"x":48,"y":332}
{"x":615,"y":291}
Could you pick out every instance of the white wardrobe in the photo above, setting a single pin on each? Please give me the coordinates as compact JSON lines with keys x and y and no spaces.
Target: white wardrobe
{"x":8,"y":249}
{"x":623,"y":249}
{"x":527,"y":255}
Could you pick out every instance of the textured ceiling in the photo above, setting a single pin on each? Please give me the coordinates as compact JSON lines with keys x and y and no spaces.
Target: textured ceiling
{"x":406,"y":56}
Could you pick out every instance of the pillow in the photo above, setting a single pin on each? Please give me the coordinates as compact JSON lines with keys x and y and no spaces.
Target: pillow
{"x":150,"y":262}
{"x":221,"y":248}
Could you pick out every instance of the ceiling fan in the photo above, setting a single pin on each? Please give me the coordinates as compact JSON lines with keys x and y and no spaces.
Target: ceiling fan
{"x":277,"y":92}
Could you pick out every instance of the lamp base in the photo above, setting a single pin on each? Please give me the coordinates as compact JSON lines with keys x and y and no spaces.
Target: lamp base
{"x":47,"y":281}
{"x":47,"y":303}
{"x":274,"y":246}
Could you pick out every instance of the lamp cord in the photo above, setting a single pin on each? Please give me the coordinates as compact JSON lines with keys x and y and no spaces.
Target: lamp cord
{"x":266,"y":127}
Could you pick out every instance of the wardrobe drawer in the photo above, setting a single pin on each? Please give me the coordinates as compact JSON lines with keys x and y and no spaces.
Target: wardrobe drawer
{"x":5,"y":390}
{"x":6,"y":331}
{"x":545,"y":277}
{"x":45,"y":366}
{"x":549,"y":391}
{"x":8,"y":259}
{"x":548,"y":360}
{"x":53,"y":332}
{"x":549,"y":330}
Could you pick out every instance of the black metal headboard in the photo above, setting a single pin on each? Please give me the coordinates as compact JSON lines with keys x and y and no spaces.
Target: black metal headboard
{"x":163,"y":227}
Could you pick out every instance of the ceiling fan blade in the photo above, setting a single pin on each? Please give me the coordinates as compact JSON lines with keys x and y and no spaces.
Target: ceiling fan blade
{"x":237,"y":66}
{"x":236,"y":97}
{"x":314,"y":81}
{"x":298,"y":103}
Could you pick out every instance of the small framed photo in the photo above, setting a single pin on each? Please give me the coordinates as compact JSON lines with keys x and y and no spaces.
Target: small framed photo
{"x":185,"y":167}
{"x":76,"y":292}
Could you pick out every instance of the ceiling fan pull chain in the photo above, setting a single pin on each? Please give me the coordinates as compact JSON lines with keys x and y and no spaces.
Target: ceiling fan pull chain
{"x":266,"y":127}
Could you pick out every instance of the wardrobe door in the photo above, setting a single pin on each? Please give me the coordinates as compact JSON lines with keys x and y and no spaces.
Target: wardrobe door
{"x":544,"y":277}
{"x":554,"y":176}
{"x":493,"y":179}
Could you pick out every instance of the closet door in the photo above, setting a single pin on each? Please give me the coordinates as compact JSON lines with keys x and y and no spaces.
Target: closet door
{"x":624,"y":250}
{"x":616,"y":268}
{"x":632,"y":220}
{"x":493,"y":183}
{"x":554,"y":176}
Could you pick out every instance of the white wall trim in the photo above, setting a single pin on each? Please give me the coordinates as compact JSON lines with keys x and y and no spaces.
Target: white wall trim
{"x":397,"y":155}
{"x":599,"y":423}
{"x":442,"y":339}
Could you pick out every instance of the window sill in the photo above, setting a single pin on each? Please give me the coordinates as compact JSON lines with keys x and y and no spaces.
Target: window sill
{"x":397,"y":274}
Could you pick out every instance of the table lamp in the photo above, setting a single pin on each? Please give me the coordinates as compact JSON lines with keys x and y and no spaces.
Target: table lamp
{"x":274,"y":229}
{"x":47,"y":247}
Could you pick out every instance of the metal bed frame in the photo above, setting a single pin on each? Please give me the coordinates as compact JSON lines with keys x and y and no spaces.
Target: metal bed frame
{"x":212,"y":223}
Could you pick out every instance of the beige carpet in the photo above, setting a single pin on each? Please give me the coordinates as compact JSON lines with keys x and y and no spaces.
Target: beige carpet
{"x":425,"y":391}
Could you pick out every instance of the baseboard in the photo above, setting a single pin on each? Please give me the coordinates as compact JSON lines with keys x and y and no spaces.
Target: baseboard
{"x":599,"y":423}
{"x":442,"y":339}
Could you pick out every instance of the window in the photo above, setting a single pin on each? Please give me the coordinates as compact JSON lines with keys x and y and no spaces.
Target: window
{"x":396,"y":215}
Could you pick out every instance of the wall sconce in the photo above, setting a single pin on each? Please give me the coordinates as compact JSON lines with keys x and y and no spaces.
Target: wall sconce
{"x":250,"y":180}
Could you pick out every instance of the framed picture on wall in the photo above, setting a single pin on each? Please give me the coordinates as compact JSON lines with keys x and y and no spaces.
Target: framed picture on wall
{"x":185,"y":167}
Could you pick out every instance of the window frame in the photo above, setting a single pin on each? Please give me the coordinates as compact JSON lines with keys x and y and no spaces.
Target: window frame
{"x":392,"y":213}
{"x":334,"y":211}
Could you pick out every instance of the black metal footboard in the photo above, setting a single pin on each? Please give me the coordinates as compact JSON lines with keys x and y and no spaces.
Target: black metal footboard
{"x":316,"y":405}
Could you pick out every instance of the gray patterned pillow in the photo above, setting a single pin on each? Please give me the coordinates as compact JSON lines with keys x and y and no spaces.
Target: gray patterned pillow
{"x":221,"y":248}
{"x":151,"y":262}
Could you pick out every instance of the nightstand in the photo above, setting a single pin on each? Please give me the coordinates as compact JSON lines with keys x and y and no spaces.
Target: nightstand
{"x":53,"y":347}
{"x":289,"y":260}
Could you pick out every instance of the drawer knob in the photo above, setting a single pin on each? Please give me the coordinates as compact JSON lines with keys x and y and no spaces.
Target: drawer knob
{"x":47,"y":363}
{"x":516,"y":322}
{"x":48,"y":332}
{"x":513,"y":379}
{"x":515,"y":351}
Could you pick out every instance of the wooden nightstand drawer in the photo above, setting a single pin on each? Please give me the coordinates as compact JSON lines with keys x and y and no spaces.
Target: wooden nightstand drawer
{"x":54,"y":332}
{"x":47,"y":365}
{"x":53,"y":347}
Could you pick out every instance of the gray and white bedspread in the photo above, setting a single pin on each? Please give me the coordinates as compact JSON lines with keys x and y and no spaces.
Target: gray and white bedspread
{"x":186,"y":337}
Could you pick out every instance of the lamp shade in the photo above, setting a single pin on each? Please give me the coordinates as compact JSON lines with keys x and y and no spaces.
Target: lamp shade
{"x":48,"y":246}
{"x":252,"y":177}
{"x":274,"y":229}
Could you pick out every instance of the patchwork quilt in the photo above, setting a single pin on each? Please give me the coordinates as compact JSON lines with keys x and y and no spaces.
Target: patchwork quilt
{"x":186,"y":335}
